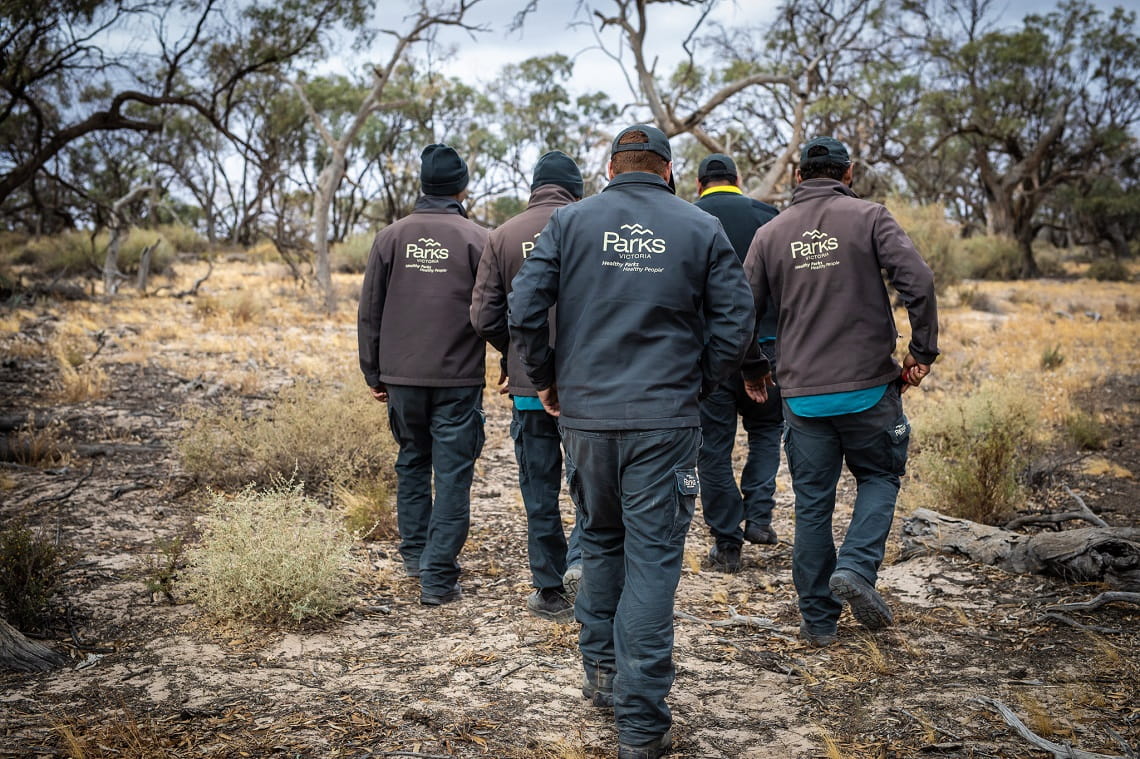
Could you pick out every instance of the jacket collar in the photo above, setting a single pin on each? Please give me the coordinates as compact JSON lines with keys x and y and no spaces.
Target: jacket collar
{"x":812,"y":189}
{"x":637,"y":177}
{"x":439,"y":204}
{"x":550,"y":195}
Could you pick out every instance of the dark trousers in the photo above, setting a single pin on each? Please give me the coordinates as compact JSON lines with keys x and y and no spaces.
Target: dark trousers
{"x":873,"y":443}
{"x":725,"y":505}
{"x":636,"y":491}
{"x":440,"y":432}
{"x":538,"y":450}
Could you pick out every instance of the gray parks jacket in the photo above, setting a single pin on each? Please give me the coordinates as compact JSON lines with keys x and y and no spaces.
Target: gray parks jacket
{"x":652,"y":306}
{"x":412,"y":323}
{"x":820,"y":262}
{"x":506,"y":249}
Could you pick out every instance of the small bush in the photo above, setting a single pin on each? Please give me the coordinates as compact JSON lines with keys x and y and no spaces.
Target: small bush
{"x":1052,"y":358}
{"x":351,"y":256}
{"x":72,"y":252}
{"x":31,"y":567}
{"x":1108,"y":270}
{"x":974,"y":452}
{"x":1085,"y":431}
{"x":325,"y":435}
{"x":975,"y":299}
{"x":935,"y":237}
{"x":160,"y":568}
{"x":991,"y":257}
{"x":183,"y":239}
{"x":272,"y":557}
{"x":367,"y":507}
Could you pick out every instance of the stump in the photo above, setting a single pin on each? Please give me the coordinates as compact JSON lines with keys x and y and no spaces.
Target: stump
{"x":23,"y":655}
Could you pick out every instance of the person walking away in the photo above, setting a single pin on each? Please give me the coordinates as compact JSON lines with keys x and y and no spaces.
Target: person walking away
{"x":724,"y":504}
{"x":653,"y":307}
{"x":820,"y":264}
{"x":556,"y":182}
{"x":420,"y":355}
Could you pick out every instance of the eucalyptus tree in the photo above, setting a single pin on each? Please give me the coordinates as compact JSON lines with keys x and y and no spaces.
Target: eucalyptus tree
{"x":1038,"y":108}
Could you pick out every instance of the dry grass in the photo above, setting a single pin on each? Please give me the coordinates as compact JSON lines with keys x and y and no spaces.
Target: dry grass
{"x":40,"y":446}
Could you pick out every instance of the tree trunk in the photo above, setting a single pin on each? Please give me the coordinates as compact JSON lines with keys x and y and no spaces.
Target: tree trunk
{"x":23,"y":655}
{"x":327,"y":185}
{"x":1092,"y":554}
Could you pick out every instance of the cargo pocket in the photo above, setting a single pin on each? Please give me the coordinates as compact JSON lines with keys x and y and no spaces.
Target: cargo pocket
{"x":480,"y":432}
{"x":899,"y":437}
{"x":789,"y":448}
{"x":687,"y":489}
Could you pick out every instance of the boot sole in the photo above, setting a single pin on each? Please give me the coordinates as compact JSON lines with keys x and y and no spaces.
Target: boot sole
{"x":868,"y":607}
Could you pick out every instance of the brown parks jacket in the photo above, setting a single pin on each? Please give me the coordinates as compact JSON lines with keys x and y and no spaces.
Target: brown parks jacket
{"x":820,"y":262}
{"x":412,"y":324}
{"x":507,"y":248}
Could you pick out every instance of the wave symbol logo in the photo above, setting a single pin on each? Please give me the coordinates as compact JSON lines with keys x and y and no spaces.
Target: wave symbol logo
{"x":636,"y":229}
{"x":814,"y":234}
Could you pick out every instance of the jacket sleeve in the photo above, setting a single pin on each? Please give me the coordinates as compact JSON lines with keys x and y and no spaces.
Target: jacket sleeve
{"x":489,"y":300}
{"x":730,"y":316}
{"x":533,"y":291}
{"x":756,"y":364}
{"x":373,"y":293}
{"x":914,"y":281}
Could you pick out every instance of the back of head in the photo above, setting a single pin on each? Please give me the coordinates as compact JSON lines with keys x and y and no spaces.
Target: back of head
{"x":442,"y":171}
{"x":824,"y":158}
{"x":717,"y":168}
{"x":641,"y":148}
{"x":557,"y":168}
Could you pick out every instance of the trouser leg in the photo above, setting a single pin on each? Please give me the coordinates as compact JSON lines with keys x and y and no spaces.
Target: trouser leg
{"x":658,"y":487}
{"x":815,"y":459}
{"x":538,"y":449}
{"x":592,"y":476}
{"x":875,"y":447}
{"x":721,"y":502}
{"x":457,"y":440}
{"x":409,"y":417}
{"x":764,"y":423}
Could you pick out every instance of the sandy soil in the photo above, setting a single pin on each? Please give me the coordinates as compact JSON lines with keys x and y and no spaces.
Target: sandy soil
{"x":484,"y":678}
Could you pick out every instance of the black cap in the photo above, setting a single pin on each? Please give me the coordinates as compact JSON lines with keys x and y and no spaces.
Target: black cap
{"x":442,"y":171}
{"x":558,"y":168}
{"x":658,"y":142}
{"x":717,"y":166}
{"x":825,"y":150}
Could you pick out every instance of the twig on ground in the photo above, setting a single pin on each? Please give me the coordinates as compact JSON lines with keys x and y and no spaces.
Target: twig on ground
{"x":1084,"y":513}
{"x":500,"y":677}
{"x":733,"y":620}
{"x":1108,"y":597}
{"x":1058,"y":750}
{"x":927,"y":723}
{"x":1087,"y":628}
{"x":416,"y":754}
{"x":65,"y":496}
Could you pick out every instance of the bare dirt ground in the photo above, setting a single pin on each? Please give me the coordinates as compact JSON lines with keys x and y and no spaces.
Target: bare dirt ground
{"x":483,"y":678}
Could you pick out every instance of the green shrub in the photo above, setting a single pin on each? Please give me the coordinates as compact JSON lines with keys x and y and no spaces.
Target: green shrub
{"x":1108,"y":270}
{"x":1085,"y":431}
{"x":324,"y":434}
{"x":183,"y":239}
{"x":160,"y":568}
{"x":133,"y":245}
{"x":31,"y":567}
{"x":935,"y":237}
{"x":1052,"y":358}
{"x":351,"y":256}
{"x":975,"y":299}
{"x":975,"y":451}
{"x":72,"y":252}
{"x":272,"y":557}
{"x":990,"y":257}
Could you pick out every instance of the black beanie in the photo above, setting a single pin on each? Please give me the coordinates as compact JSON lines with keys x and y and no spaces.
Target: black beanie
{"x":558,"y":168}
{"x":442,"y":171}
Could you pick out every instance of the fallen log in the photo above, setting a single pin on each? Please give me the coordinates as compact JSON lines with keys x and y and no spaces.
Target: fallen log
{"x":23,"y":655}
{"x":1110,"y":555}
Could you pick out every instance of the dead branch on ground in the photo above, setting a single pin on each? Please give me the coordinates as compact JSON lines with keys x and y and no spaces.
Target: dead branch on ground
{"x":1059,"y":750}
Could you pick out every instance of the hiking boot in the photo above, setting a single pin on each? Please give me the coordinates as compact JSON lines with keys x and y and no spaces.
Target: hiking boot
{"x":816,"y":639}
{"x":551,"y":603}
{"x":571,"y":579}
{"x":600,"y":694}
{"x":432,"y":599}
{"x":725,"y":557}
{"x":867,"y":606}
{"x":760,"y":535}
{"x":652,"y":750}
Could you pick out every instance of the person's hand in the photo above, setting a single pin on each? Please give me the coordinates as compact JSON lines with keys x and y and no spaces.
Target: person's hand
{"x":503,"y":382}
{"x":380,"y":392}
{"x":549,"y":398}
{"x":757,"y":389}
{"x":912,"y":373}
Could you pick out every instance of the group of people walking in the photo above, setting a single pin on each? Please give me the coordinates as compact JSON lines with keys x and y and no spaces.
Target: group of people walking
{"x":635,"y":328}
